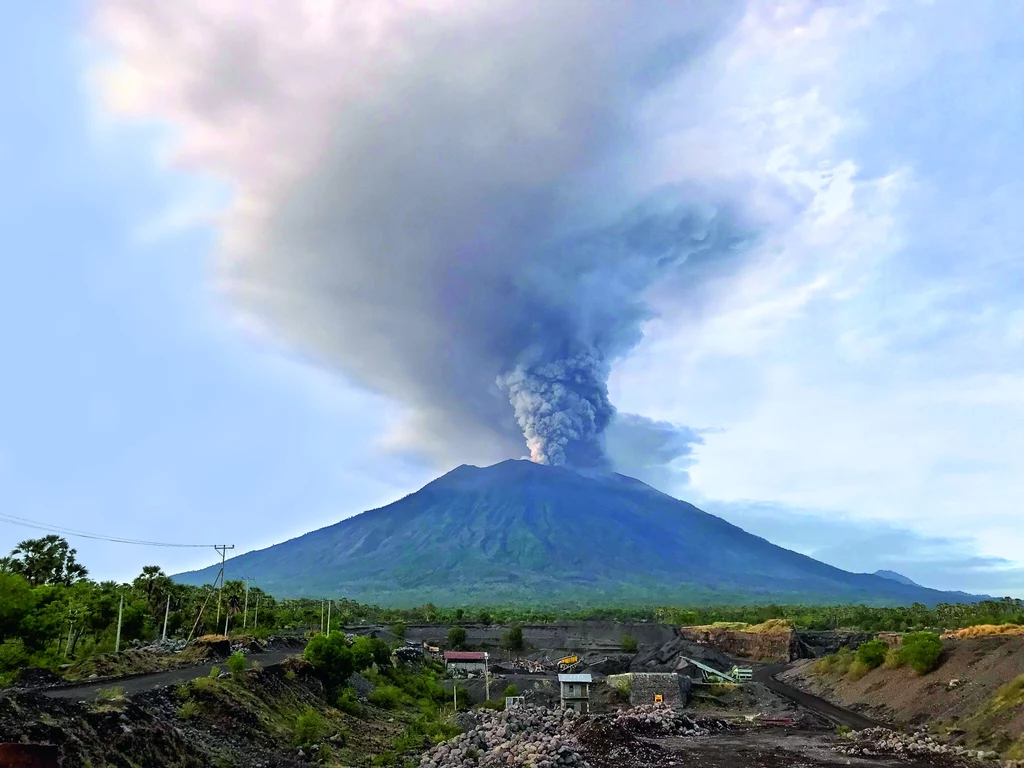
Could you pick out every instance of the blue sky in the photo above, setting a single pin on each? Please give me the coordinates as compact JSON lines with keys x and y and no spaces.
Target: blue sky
{"x":857,"y":382}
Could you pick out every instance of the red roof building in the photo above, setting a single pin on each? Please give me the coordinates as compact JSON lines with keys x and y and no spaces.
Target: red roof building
{"x":465,"y":656}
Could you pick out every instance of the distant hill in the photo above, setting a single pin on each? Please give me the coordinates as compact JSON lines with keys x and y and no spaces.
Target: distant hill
{"x":524,"y":532}
{"x":893,"y":576}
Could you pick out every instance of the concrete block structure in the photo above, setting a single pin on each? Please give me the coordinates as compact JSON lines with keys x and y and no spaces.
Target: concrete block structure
{"x":575,"y":692}
{"x":644,"y":687}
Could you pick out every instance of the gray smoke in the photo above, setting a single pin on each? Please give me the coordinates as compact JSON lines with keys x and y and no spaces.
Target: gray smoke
{"x":441,"y":200}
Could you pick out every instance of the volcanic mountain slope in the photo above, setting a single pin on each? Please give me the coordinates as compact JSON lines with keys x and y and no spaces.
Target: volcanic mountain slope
{"x":524,"y":532}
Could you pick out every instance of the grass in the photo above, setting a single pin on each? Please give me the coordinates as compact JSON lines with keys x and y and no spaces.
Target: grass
{"x":769,"y":627}
{"x":114,"y":693}
{"x":986,"y":630}
{"x":189,"y":709}
{"x":309,"y":728}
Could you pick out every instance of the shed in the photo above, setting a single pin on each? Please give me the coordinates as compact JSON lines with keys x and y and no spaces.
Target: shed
{"x":575,"y":692}
{"x":469,"y":662}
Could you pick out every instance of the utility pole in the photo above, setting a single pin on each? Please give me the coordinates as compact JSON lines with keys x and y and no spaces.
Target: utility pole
{"x":329,"y":603}
{"x":256,"y":618}
{"x":120,"y":612}
{"x":487,"y":679}
{"x":245,"y":607}
{"x":455,"y":690}
{"x":167,"y":613}
{"x":223,"y":549}
{"x":321,"y":617}
{"x":226,"y":617}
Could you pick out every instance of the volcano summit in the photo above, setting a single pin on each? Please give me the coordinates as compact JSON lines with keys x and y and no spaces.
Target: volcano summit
{"x":520,"y":531}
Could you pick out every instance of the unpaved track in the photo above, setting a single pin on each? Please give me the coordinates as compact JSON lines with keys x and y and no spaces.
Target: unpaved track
{"x":88,"y":691}
{"x":838,"y":715}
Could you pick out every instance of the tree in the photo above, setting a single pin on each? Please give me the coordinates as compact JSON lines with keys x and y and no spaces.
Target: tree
{"x":485,"y":618}
{"x":15,"y":603}
{"x":629,"y":644}
{"x":46,"y":561}
{"x":331,"y":658}
{"x":459,"y":614}
{"x":456,"y":637}
{"x":513,"y":639}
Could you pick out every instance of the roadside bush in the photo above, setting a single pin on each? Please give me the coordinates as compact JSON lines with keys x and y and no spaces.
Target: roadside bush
{"x":456,"y":637}
{"x":872,"y":654}
{"x":309,"y":727}
{"x":214,"y":672}
{"x":894,"y":658}
{"x":511,"y":691}
{"x":348,"y":701}
{"x":465,"y":700}
{"x":331,"y":658}
{"x":237,"y":663}
{"x":838,"y":663}
{"x":386,"y":697}
{"x":495,"y":704}
{"x":858,"y":669}
{"x":114,"y":693}
{"x":629,"y":644}
{"x":921,"y":651}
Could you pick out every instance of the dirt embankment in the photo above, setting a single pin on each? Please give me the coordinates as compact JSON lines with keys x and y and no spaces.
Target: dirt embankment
{"x":581,"y":636}
{"x":766,"y":644}
{"x":971,"y":691}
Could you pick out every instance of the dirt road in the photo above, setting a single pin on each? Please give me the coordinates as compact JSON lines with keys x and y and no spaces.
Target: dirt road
{"x":838,"y":715}
{"x":88,"y":691}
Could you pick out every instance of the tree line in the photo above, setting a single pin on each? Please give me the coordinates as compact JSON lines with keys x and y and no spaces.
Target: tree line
{"x":52,"y":613}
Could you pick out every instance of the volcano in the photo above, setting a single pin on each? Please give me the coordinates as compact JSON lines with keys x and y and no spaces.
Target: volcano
{"x":520,"y":532}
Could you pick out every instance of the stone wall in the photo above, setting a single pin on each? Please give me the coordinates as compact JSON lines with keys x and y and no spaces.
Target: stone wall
{"x":771,"y":648}
{"x":675,"y":689}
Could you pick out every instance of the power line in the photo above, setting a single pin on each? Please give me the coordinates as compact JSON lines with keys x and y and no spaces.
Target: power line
{"x":26,"y":523}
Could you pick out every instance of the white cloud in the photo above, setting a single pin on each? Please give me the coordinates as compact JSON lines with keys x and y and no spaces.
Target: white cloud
{"x":866,"y":360}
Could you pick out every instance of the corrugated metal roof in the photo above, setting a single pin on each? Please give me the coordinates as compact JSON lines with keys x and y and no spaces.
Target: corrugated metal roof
{"x":580,"y":678}
{"x":464,"y":656}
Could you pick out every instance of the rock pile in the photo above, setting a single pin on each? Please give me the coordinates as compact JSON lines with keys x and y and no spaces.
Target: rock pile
{"x":524,"y":736}
{"x":882,"y":741}
{"x":653,"y":721}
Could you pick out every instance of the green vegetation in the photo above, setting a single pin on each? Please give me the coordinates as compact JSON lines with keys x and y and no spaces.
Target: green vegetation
{"x":386,"y":697}
{"x":872,"y":654}
{"x":331,"y":657}
{"x":456,"y":637}
{"x":214,"y":672}
{"x":921,"y":651}
{"x":309,"y":728}
{"x":629,"y":644}
{"x":510,"y":691}
{"x":894,"y":658}
{"x":114,"y":693}
{"x":189,"y":709}
{"x":237,"y":663}
{"x":513,"y":639}
{"x":348,"y":702}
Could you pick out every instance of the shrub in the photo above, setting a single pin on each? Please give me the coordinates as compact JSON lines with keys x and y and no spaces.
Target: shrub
{"x":309,"y":727}
{"x":629,"y":644}
{"x":513,"y":639}
{"x":858,"y":669}
{"x":485,"y":618}
{"x":237,"y":663}
{"x":465,"y":700}
{"x":188,"y":710}
{"x":511,"y":691}
{"x":362,"y":653}
{"x":921,"y":651}
{"x":872,"y":654}
{"x":331,"y":658}
{"x":114,"y":693}
{"x":347,"y":701}
{"x":398,"y":629}
{"x":894,"y":658}
{"x":495,"y":704}
{"x":456,"y":637}
{"x":386,"y":696}
{"x":214,"y":672}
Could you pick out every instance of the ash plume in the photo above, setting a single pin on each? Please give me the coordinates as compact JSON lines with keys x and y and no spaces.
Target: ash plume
{"x":440,"y":200}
